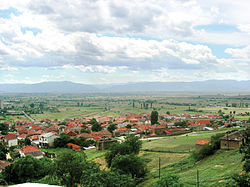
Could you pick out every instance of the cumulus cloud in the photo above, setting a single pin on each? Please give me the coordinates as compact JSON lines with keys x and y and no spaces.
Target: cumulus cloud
{"x":106,"y":36}
{"x":241,"y":52}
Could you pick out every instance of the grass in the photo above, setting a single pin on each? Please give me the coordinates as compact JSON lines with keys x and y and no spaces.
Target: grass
{"x":175,"y":144}
{"x":68,"y":112}
{"x":213,"y":170}
{"x":152,"y":159}
{"x":91,"y":154}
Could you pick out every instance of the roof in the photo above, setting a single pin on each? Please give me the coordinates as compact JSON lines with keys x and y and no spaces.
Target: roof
{"x":202,"y":142}
{"x":30,"y":149}
{"x":204,"y":122}
{"x":234,"y":136}
{"x":46,"y":135}
{"x":22,"y":136}
{"x":74,"y":146}
{"x":33,"y":184}
{"x":10,"y":136}
{"x":3,"y":164}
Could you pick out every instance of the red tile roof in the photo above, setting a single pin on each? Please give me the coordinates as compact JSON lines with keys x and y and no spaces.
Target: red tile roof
{"x":122,"y":129}
{"x":22,"y":136}
{"x":10,"y":136}
{"x":204,"y":122}
{"x":35,"y":137}
{"x":202,"y":142}
{"x":30,"y":149}
{"x":74,"y":146}
{"x":3,"y":164}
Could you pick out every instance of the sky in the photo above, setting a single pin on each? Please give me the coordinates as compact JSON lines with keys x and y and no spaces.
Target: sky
{"x":117,"y":41}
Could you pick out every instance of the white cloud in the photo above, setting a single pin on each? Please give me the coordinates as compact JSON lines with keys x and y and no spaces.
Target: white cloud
{"x":241,"y":52}
{"x":244,"y":28}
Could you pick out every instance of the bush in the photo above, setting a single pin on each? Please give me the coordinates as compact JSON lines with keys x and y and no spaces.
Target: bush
{"x":168,"y":180}
{"x":205,"y":151}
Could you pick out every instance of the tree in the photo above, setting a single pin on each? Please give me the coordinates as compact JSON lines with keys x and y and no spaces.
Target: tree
{"x":62,"y":140}
{"x":96,"y":127}
{"x":112,"y":127}
{"x":134,"y":143}
{"x":107,"y":179}
{"x":27,"y":141}
{"x":168,"y":180}
{"x":69,"y":167}
{"x":154,"y":117}
{"x":3,"y":152}
{"x":245,"y":150}
{"x":32,"y":105}
{"x":4,"y":127}
{"x":129,"y":164}
{"x":27,"y":169}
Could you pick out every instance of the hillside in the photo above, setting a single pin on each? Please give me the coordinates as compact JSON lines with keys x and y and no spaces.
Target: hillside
{"x":217,"y":86}
{"x":213,"y":170}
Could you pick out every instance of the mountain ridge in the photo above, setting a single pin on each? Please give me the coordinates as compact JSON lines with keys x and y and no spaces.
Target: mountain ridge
{"x":72,"y":87}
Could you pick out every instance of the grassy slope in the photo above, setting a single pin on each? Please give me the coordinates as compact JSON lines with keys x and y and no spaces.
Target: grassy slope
{"x":212,"y":170}
{"x":175,"y":144}
{"x":176,"y":150}
{"x":91,"y":153}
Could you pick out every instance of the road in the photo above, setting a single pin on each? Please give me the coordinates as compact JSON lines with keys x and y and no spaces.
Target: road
{"x":26,"y":115}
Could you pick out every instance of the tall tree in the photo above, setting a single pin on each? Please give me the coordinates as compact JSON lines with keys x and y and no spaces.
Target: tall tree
{"x":154,"y":117}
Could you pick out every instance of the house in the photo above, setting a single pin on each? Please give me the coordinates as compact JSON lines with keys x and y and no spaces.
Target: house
{"x":31,"y":150}
{"x":232,"y":140}
{"x":74,"y":146}
{"x":3,"y":164}
{"x":104,"y":143}
{"x":10,"y":140}
{"x":47,"y":139}
{"x":200,"y":143}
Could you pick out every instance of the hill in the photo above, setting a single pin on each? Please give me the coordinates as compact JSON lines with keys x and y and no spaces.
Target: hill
{"x":217,"y":86}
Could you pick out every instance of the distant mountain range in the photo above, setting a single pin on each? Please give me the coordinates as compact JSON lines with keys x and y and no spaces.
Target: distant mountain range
{"x":70,"y":87}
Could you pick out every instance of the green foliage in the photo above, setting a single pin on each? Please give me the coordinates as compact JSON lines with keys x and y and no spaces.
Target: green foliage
{"x":85,"y":131}
{"x":241,"y":180}
{"x":205,"y":151}
{"x":168,"y":180}
{"x":112,"y":127}
{"x":104,"y":178}
{"x":128,"y":126}
{"x":134,"y":144}
{"x":129,"y":164}
{"x":122,"y":158}
{"x":95,"y":125}
{"x":3,"y":151}
{"x":245,"y":150}
{"x":4,"y":127}
{"x":180,"y":124}
{"x":27,"y":141}
{"x":215,"y":140}
{"x":154,"y":117}
{"x":64,"y":139}
{"x":27,"y":169}
{"x":131,"y":145}
{"x":69,"y":167}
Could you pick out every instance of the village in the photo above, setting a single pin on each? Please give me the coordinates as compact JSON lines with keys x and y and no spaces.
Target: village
{"x":169,"y":131}
{"x":29,"y":136}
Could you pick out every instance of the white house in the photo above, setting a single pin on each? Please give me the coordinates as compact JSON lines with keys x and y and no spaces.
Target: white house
{"x":31,"y":150}
{"x":10,"y":140}
{"x":47,"y":139}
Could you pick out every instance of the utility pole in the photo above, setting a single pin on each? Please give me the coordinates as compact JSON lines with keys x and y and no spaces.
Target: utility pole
{"x":198,"y":182}
{"x":227,"y":142}
{"x":159,"y":167}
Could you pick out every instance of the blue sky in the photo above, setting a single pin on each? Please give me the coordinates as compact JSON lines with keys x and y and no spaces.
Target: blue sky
{"x":107,"y":41}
